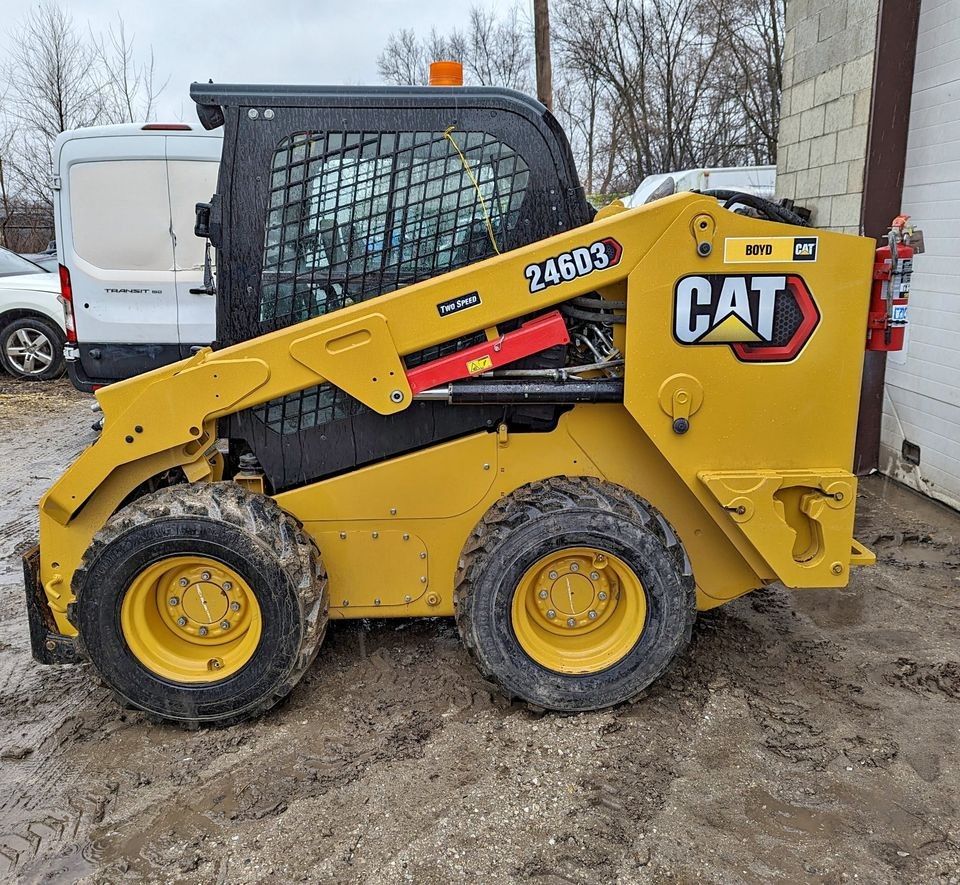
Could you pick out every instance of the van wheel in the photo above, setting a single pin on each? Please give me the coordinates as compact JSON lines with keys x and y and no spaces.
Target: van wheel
{"x":31,"y":349}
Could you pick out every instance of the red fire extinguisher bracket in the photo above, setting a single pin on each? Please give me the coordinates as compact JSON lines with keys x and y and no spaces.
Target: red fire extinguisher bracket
{"x":890,"y":294}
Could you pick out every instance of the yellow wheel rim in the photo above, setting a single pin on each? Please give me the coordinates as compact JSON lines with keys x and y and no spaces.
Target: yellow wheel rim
{"x":191,"y":619}
{"x":579,"y":610}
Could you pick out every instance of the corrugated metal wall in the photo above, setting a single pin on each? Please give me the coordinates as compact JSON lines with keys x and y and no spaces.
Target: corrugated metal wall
{"x":922,"y":397}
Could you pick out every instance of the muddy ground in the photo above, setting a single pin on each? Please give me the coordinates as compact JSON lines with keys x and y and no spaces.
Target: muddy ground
{"x":808,"y":736}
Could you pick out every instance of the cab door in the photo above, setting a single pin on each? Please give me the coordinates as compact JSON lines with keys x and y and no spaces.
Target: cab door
{"x":192,"y":165}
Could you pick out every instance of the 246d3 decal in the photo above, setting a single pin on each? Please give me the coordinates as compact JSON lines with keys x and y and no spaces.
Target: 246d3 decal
{"x":761,"y":317}
{"x":577,"y":262}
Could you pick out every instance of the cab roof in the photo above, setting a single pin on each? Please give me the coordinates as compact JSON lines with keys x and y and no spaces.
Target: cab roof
{"x":213,"y":98}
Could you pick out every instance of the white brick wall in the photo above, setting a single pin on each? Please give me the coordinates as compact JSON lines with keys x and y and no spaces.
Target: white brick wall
{"x":827,"y":79}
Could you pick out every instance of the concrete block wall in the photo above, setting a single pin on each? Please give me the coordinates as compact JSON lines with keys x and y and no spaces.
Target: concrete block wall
{"x":829,"y":50}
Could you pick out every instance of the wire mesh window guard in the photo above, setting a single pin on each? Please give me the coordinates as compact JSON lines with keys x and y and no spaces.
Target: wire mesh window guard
{"x":353,"y":215}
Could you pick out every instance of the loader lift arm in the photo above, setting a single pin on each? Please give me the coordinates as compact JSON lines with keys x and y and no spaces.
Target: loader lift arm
{"x":166,"y":418}
{"x":170,"y":411}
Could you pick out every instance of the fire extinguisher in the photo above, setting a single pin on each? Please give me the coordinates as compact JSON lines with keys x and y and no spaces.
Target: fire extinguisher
{"x":892,"y":269}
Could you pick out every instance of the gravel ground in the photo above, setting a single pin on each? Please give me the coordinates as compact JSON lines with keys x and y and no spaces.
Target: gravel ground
{"x":805,"y":736}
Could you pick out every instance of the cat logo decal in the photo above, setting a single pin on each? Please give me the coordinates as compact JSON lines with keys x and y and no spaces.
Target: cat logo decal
{"x":762,"y":318}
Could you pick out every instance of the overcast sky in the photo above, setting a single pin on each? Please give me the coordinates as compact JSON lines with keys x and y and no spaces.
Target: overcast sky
{"x":258,"y":41}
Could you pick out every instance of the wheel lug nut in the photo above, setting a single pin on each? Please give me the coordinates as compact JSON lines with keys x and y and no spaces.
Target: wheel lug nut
{"x":551,"y":614}
{"x":234,"y":606}
{"x":181,"y":622}
{"x":571,"y":622}
{"x":594,"y":576}
{"x":591,"y":614}
{"x":174,"y":600}
{"x":553,"y":576}
{"x":227,"y":586}
{"x":203,"y":631}
{"x":544,"y":594}
{"x":602,"y":595}
{"x":574,"y":567}
{"x":184,"y":582}
{"x":224,"y":625}
{"x":205,"y":576}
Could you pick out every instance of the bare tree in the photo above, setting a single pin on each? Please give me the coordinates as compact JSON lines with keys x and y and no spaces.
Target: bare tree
{"x":403,"y":60}
{"x":58,"y":77}
{"x":129,"y":90}
{"x":497,"y":52}
{"x":494,"y":52}
{"x":674,"y":83}
{"x":641,"y":86}
{"x":51,"y":74}
{"x":752,"y":73}
{"x":6,"y":201}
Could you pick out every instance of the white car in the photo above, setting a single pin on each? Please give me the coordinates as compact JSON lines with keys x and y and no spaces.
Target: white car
{"x":31,"y":319}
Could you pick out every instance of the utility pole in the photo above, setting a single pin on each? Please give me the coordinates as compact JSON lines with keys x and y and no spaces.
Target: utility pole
{"x":541,"y":39}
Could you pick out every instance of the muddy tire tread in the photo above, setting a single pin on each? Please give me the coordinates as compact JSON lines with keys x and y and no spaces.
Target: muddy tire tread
{"x":259,"y":515}
{"x":550,"y":496}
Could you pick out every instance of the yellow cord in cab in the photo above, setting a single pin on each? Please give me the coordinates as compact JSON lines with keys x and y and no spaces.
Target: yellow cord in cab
{"x":473,"y":178}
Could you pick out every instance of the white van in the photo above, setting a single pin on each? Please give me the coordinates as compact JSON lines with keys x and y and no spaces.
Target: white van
{"x":124,"y":210}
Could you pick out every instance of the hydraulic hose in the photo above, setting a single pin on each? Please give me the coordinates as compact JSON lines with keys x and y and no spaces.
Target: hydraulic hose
{"x":768,"y":208}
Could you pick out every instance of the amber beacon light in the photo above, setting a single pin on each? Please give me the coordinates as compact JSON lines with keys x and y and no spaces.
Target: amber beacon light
{"x":446,"y":73}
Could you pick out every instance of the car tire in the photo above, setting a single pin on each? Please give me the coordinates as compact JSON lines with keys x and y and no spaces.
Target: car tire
{"x":31,"y":348}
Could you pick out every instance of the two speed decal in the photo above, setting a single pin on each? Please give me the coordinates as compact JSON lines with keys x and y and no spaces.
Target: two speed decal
{"x":461,"y":302}
{"x":578,"y":262}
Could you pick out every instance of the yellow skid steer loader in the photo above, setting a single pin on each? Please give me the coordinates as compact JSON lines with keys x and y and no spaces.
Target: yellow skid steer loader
{"x":443,"y":385}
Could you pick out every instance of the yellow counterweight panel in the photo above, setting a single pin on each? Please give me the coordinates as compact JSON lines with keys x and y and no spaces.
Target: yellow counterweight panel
{"x":768,"y":446}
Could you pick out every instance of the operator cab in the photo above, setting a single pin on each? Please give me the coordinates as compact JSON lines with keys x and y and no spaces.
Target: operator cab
{"x":328,"y":196}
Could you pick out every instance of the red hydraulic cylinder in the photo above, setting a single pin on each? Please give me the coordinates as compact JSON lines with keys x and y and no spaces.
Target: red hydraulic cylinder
{"x":532,"y":337}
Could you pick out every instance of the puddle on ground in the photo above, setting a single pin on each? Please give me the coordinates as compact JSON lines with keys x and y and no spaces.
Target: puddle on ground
{"x":831,"y":608}
{"x":781,"y":818}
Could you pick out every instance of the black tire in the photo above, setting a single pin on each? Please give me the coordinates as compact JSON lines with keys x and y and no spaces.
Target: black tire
{"x":547,"y":516}
{"x":251,"y":535}
{"x":49,"y":341}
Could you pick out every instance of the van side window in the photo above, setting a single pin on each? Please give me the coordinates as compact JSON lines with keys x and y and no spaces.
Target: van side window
{"x":120,"y":214}
{"x":352,"y":215}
